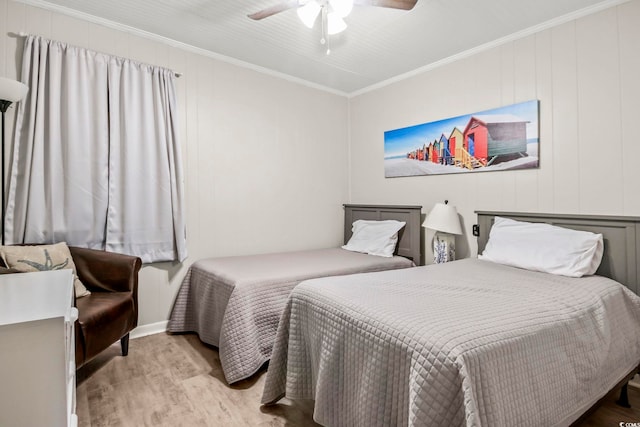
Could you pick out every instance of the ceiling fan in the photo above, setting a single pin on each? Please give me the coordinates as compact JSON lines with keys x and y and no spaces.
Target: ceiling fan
{"x":331,"y":12}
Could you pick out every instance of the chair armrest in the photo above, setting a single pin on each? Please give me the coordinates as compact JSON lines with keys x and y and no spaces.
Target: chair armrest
{"x":106,"y":271}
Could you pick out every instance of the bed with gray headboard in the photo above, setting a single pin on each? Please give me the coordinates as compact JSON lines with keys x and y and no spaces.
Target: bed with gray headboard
{"x":621,"y":234}
{"x":235,"y":303}
{"x":620,"y":260}
{"x":409,"y":241}
{"x":469,"y":342}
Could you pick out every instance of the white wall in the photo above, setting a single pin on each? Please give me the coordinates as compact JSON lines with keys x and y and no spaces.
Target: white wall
{"x":586,"y":74}
{"x":265,"y":159}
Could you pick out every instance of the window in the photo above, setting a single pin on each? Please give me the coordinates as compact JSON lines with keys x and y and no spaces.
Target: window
{"x":96,"y":158}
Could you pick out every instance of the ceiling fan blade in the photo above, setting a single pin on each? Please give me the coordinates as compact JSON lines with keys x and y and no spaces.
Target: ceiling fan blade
{"x":393,"y":4}
{"x":281,"y":7}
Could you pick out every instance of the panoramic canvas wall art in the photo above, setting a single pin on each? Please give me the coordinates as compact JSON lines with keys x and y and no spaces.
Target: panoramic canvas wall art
{"x":504,"y":138}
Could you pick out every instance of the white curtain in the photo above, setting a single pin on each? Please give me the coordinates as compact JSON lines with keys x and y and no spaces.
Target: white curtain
{"x":96,"y":157}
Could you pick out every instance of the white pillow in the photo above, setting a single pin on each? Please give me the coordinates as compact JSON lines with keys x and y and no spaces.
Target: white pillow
{"x":543,"y":247}
{"x":374,"y":237}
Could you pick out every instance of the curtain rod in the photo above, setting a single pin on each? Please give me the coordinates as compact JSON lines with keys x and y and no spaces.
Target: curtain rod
{"x":23,"y":34}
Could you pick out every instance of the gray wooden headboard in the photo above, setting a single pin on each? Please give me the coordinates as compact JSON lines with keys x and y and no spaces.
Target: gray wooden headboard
{"x":409,"y":241}
{"x":621,"y":260}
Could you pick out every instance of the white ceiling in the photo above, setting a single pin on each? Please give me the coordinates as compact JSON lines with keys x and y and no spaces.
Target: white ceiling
{"x":379,"y":44}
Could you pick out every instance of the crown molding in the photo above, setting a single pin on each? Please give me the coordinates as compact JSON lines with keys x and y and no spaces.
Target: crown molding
{"x":174,"y":43}
{"x":207,"y":53}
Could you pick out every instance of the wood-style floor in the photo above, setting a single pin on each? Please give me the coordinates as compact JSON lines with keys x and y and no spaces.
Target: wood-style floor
{"x":175,"y":380}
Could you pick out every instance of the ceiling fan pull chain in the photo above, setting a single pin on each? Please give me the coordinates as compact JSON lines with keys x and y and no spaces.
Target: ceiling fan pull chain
{"x":323,"y":18}
{"x":325,"y":33}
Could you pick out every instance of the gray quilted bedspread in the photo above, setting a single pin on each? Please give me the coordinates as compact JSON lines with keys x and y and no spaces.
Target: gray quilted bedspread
{"x":465,"y":343}
{"x":235,"y":303}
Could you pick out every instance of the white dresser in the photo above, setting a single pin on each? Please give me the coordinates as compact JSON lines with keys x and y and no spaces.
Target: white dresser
{"x":37,"y":349}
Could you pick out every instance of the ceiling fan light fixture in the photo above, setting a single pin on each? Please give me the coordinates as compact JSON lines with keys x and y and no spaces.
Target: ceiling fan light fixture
{"x":309,"y":13}
{"x":335,"y":24}
{"x":342,"y":7}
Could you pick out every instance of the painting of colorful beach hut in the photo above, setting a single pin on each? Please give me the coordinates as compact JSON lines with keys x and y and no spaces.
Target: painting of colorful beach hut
{"x":504,"y":138}
{"x":445,"y":154}
{"x":435,"y":158}
{"x":456,"y":139}
{"x":499,"y":136}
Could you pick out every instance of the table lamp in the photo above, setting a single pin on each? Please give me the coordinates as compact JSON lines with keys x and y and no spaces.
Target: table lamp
{"x":443,"y":218}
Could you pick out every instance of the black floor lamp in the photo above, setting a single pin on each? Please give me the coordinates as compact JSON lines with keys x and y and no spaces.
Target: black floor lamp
{"x":10,"y":91}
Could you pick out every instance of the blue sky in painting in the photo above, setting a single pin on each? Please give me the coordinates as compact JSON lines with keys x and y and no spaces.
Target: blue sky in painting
{"x":399,"y":142}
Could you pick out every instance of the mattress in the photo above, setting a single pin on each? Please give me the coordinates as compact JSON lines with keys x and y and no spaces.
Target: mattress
{"x":467,"y":343}
{"x":235,"y":303}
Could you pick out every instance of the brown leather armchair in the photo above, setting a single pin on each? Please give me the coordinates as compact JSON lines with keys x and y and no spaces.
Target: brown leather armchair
{"x":111,"y":311}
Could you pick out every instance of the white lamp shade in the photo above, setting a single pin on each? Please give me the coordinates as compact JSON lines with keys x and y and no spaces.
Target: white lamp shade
{"x":444,"y":218}
{"x":12,"y":90}
{"x":309,"y":13}
{"x":335,"y":24}
{"x":341,"y":7}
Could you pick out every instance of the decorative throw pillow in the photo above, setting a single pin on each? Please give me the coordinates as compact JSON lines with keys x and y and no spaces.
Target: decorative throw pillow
{"x":42,"y":258}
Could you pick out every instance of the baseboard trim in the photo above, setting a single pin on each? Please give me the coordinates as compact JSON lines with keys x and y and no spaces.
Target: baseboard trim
{"x":150,"y":329}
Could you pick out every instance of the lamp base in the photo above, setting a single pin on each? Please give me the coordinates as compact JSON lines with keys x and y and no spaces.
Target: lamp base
{"x":444,"y":247}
